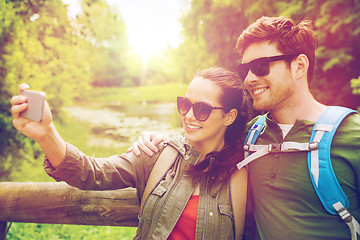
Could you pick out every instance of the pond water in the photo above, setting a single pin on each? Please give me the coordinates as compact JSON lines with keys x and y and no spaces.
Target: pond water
{"x":120,"y":125}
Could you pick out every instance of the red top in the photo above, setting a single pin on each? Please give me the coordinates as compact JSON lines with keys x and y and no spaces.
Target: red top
{"x":186,"y":225}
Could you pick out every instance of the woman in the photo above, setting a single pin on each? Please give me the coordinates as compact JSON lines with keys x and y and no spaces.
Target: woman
{"x":192,"y":201}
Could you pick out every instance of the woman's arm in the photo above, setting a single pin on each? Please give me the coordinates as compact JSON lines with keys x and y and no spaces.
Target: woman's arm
{"x":42,"y":132}
{"x":86,"y":172}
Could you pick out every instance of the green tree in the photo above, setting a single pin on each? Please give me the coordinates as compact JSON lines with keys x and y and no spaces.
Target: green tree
{"x":12,"y":143}
{"x":338,"y":30}
{"x":105,"y":32}
{"x":44,"y":53}
{"x":41,"y":46}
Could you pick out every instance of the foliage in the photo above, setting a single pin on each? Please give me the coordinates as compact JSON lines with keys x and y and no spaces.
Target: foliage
{"x":355,"y":84}
{"x":338,"y":30}
{"x":14,"y":147}
{"x":104,"y":30}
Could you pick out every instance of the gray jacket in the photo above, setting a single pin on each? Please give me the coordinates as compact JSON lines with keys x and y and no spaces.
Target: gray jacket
{"x":165,"y":204}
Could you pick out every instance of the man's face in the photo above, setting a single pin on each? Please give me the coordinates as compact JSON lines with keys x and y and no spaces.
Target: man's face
{"x":274,"y":90}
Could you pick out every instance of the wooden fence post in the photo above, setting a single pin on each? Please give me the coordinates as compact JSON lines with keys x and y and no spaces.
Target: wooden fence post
{"x":59,"y":203}
{"x":3,"y":230}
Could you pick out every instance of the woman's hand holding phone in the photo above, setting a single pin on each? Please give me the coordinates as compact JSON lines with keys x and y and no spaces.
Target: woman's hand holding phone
{"x":31,"y":113}
{"x":41,"y":129}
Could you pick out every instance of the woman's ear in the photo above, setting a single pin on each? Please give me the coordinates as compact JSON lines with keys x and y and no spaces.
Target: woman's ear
{"x":230,"y":117}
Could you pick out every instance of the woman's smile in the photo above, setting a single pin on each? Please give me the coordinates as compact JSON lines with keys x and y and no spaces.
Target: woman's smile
{"x":192,"y":126}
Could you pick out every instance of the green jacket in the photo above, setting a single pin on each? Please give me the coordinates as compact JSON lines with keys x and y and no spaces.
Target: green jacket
{"x":285,"y":203}
{"x":167,"y":201}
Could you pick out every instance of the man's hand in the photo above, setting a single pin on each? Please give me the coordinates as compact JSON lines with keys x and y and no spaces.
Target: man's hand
{"x":146,"y":142}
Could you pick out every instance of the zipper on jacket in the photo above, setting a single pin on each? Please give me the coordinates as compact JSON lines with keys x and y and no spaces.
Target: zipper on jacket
{"x":170,"y":192}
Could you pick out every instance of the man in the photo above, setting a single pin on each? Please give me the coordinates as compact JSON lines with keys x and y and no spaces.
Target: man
{"x":277,"y":67}
{"x":285,"y":203}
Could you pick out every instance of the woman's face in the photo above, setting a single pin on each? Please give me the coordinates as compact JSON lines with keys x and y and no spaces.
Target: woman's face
{"x":211,"y":131}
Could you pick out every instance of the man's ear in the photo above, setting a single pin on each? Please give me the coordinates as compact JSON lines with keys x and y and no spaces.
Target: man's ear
{"x":230,"y":117}
{"x":300,"y":66}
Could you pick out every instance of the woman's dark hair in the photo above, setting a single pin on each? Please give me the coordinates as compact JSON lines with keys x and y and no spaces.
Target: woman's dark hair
{"x":219,"y":166}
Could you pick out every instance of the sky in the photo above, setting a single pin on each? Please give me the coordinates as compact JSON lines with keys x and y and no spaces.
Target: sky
{"x":152,"y":25}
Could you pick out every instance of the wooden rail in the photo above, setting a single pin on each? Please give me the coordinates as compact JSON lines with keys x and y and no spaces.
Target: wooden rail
{"x":59,"y":203}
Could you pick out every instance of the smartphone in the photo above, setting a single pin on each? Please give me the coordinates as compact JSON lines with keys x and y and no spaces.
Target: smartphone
{"x":36,"y":102}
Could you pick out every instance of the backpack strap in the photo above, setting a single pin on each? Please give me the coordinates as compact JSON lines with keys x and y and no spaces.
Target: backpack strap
{"x":344,"y":214}
{"x":321,"y":171}
{"x":255,"y":130}
{"x":162,"y":165}
{"x":251,"y":138}
{"x":320,"y":168}
{"x":238,"y":196}
{"x":261,"y":150}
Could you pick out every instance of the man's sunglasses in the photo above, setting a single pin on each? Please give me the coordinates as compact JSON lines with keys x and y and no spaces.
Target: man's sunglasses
{"x":201,"y":110}
{"x":260,"y":66}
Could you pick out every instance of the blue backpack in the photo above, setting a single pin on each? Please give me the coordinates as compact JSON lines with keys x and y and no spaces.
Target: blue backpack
{"x":321,"y":172}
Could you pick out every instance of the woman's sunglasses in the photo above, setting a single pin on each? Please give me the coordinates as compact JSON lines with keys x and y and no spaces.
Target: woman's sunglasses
{"x":260,"y":66}
{"x":201,"y":110}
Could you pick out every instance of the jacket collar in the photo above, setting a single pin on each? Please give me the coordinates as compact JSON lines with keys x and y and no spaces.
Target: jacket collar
{"x":182,"y":145}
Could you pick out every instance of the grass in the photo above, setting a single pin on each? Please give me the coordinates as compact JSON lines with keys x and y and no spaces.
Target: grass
{"x":29,"y":231}
{"x":77,"y":133}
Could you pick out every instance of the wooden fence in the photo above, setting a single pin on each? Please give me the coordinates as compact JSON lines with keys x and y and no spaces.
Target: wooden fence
{"x":59,"y":203}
